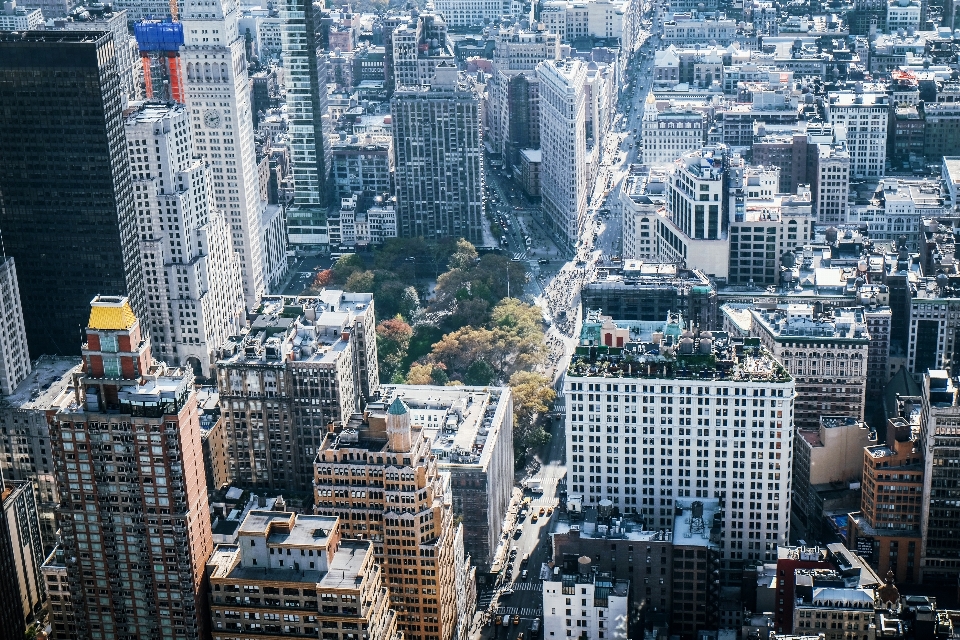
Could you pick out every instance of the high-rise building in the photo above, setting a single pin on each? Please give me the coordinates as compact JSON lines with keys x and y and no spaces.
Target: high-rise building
{"x":513,"y":111}
{"x":419,"y":46}
{"x":218,"y":99}
{"x":405,"y":505}
{"x":695,"y":230}
{"x":63,"y":621}
{"x":865,"y":116}
{"x":563,"y":171}
{"x":333,"y":582}
{"x":25,"y":441}
{"x":655,"y":451}
{"x":438,"y":144}
{"x":472,"y":433}
{"x":67,"y":215}
{"x":309,"y":141}
{"x":114,"y":21}
{"x":304,"y":364}
{"x":193,"y":288}
{"x":938,"y":442}
{"x":826,"y":353}
{"x":133,"y":514}
{"x":21,"y":542}
{"x":14,"y":353}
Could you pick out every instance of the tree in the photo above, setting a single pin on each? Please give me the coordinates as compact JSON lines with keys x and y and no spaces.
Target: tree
{"x":393,"y":342}
{"x":513,"y":341}
{"x":532,"y":397}
{"x":360,"y":282}
{"x":345,"y":266}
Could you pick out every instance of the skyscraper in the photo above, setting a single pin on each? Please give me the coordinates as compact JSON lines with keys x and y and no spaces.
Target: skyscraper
{"x":439,"y":158}
{"x":218,"y":98}
{"x":193,"y":288}
{"x":309,"y":143}
{"x":66,"y":201}
{"x":20,"y":532}
{"x":409,"y":508}
{"x":563,"y":143}
{"x":134,"y":523}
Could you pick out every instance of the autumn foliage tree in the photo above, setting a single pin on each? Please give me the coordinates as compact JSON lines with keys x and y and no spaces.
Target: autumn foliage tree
{"x":393,"y":343}
{"x":532,"y":398}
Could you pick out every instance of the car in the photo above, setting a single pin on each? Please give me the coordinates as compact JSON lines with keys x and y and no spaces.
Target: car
{"x":516,"y":620}
{"x":499,"y":620}
{"x":543,"y":510}
{"x":519,"y":531}
{"x":550,"y":511}
{"x":534,"y":518}
{"x":524,"y":574}
{"x":543,"y":261}
{"x":507,"y":592}
{"x":506,"y":621}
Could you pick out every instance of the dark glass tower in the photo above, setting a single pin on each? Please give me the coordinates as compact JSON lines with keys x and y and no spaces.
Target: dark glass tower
{"x":66,"y":198}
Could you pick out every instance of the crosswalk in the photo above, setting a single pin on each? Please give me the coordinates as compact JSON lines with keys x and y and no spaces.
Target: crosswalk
{"x":520,"y":255}
{"x":529,"y":612}
{"x":527,"y":586}
{"x":484,"y":600}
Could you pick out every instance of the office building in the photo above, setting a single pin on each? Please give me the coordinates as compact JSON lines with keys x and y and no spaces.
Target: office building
{"x":14,"y":353}
{"x":670,"y":134}
{"x":694,"y":231}
{"x":470,"y":13}
{"x":648,"y":291}
{"x":115,"y":21}
{"x":472,"y":433}
{"x":438,"y":145}
{"x":362,"y":164}
{"x":408,"y":504}
{"x":218,"y":100}
{"x":887,"y":528}
{"x":563,"y":169}
{"x":68,"y":216}
{"x":25,"y":441}
{"x":826,"y":354}
{"x":418,"y":46}
{"x":21,"y":542}
{"x":138,"y":10}
{"x":193,"y":287}
{"x":333,"y":583}
{"x":653,"y":458}
{"x":594,"y":19}
{"x":271,"y":376}
{"x":940,"y":555}
{"x":513,"y":106}
{"x":865,"y":116}
{"x":826,"y":460}
{"x":831,"y":184}
{"x":14,"y":18}
{"x":598,"y":603}
{"x":309,"y":140}
{"x":653,"y":561}
{"x":933,"y":323}
{"x":213,"y":439}
{"x":135,"y":535}
{"x":640,"y":197}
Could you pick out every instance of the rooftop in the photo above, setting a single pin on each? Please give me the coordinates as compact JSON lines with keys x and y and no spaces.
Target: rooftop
{"x":287,"y":529}
{"x":459,"y":421}
{"x":111,"y":313}
{"x":48,"y":379}
{"x":639,"y":349}
{"x":798,"y":322}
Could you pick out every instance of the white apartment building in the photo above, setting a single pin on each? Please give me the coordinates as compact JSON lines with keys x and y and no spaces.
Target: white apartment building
{"x":693,"y":232}
{"x":595,"y":18}
{"x":466,"y":13}
{"x":903,"y":14}
{"x":832,"y":186}
{"x":668,"y":135}
{"x":865,"y":117}
{"x":641,"y":197}
{"x":218,"y":100}
{"x":595,"y":605}
{"x":192,"y":278}
{"x":14,"y":18}
{"x":684,"y":30}
{"x":563,"y":172}
{"x":656,"y":419}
